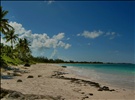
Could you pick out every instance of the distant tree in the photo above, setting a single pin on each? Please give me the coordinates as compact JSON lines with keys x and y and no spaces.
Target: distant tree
{"x":71,"y":61}
{"x":59,"y":61}
{"x":51,"y":60}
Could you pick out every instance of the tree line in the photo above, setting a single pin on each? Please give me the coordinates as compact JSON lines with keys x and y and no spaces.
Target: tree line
{"x":46,"y":60}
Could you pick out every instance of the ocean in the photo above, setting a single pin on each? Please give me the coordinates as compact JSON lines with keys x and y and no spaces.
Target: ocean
{"x":118,"y":75}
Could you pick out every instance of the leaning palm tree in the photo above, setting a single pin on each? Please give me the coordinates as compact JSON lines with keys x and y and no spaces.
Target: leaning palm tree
{"x":11,"y":37}
{"x":4,"y":25}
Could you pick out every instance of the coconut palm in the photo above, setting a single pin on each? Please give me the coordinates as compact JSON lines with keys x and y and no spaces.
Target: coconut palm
{"x":2,"y":48}
{"x":23,"y":48}
{"x":11,"y":37}
{"x":26,"y":45}
{"x":8,"y":51}
{"x":20,"y":48}
{"x":4,"y":25}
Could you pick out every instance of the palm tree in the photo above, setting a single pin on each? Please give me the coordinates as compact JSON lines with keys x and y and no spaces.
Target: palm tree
{"x":23,"y":48}
{"x":8,"y":51}
{"x":26,"y":45}
{"x":1,"y":48}
{"x":4,"y":25}
{"x":27,"y":51}
{"x":11,"y":37}
{"x":20,"y":48}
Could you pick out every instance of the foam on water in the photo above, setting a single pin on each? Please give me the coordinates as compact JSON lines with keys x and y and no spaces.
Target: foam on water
{"x":84,"y":72}
{"x":119,"y":75}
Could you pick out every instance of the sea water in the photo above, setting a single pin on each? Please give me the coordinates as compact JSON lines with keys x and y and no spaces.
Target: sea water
{"x":118,"y":75}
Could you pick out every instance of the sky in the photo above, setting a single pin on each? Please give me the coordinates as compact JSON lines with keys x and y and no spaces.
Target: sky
{"x":76,"y":30}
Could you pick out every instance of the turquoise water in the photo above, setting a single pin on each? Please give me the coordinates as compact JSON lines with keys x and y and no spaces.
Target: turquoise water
{"x":119,"y":75}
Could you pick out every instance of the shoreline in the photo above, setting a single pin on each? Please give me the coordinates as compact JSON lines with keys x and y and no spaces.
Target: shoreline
{"x":103,"y":83}
{"x":93,"y":75}
{"x":54,"y":80}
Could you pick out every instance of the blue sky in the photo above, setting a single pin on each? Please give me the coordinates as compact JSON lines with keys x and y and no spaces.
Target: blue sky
{"x":76,"y":30}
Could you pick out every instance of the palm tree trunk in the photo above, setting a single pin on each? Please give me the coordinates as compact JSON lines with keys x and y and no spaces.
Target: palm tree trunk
{"x":11,"y":44}
{"x":0,"y":48}
{"x":11,"y":47}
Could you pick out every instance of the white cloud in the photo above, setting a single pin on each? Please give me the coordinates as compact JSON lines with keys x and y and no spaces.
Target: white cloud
{"x":92,"y":35}
{"x":111,"y":35}
{"x":95,"y":34}
{"x":59,"y":36}
{"x":67,"y":46}
{"x":61,"y":44}
{"x":18,"y":28}
{"x":78,"y":34}
{"x":50,"y":1}
{"x":68,"y":38}
{"x":54,"y":54}
{"x":45,"y":41}
{"x":39,"y":41}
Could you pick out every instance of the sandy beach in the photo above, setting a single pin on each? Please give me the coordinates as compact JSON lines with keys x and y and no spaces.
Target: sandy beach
{"x":58,"y":83}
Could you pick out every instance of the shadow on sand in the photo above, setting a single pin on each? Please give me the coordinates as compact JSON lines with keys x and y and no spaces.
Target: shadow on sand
{"x":6,"y":77}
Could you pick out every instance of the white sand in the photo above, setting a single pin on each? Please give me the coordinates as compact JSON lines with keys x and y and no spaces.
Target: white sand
{"x":46,"y":85}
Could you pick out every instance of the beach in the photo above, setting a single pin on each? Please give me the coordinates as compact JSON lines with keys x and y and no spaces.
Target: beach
{"x":55,"y":82}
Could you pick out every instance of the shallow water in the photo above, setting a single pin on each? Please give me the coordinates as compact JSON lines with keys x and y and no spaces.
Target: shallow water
{"x":119,"y":75}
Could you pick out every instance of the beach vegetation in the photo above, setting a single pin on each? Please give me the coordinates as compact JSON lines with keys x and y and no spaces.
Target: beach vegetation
{"x":10,"y":36}
{"x":18,"y":52}
{"x":4,"y":25}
